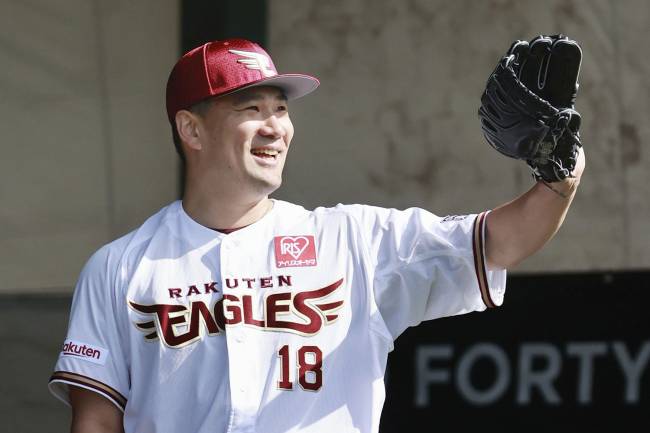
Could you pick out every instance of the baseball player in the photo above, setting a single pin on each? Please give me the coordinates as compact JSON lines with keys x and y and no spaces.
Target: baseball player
{"x":230,"y":311}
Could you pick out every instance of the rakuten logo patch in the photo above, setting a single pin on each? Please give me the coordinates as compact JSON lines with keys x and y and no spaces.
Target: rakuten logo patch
{"x":84,"y":351}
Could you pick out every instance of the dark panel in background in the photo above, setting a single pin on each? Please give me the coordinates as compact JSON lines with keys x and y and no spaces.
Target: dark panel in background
{"x":208,"y":20}
{"x":32,"y":329}
{"x":565,"y":353}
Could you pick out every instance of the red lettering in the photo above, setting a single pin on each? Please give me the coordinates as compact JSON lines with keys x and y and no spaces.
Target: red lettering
{"x":91,"y":353}
{"x":284,"y":382}
{"x":193,"y":291}
{"x":315,"y":319}
{"x":175,"y":292}
{"x":219,"y":317}
{"x":284,"y":280}
{"x":210,"y":287}
{"x":234,"y":310}
{"x":249,"y":282}
{"x":201,"y":311}
{"x":228,"y":283}
{"x":315,"y":367}
{"x":167,"y":322}
{"x":274,"y":305}
{"x":248,"y":312}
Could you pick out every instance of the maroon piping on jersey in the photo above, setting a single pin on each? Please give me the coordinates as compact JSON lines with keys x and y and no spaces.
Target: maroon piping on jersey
{"x":84,"y":381}
{"x":479,"y":260}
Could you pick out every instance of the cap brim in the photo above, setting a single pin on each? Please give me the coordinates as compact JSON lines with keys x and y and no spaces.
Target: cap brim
{"x":294,"y":86}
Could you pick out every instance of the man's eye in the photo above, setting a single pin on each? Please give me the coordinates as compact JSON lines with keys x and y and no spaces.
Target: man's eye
{"x":282,"y":108}
{"x":253,"y":107}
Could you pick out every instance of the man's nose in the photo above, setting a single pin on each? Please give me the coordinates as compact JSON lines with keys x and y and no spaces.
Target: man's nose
{"x":273,"y":128}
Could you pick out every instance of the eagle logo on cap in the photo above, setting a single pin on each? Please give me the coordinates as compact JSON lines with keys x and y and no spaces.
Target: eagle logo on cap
{"x":255,"y":61}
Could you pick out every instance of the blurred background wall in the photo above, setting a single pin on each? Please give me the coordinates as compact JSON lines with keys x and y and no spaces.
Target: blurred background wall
{"x":86,"y":156}
{"x":394,"y":121}
{"x":87,"y":153}
{"x":84,"y":136}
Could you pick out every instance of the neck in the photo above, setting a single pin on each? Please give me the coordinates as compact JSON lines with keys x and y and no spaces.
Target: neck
{"x":225,"y":212}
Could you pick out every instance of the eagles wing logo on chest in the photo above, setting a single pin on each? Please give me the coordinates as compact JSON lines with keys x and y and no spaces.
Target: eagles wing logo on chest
{"x":178,"y":325}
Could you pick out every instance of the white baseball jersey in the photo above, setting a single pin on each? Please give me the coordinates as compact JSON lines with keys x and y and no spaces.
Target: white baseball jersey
{"x":282,"y":326}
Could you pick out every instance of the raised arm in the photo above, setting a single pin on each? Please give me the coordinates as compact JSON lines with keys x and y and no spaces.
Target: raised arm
{"x":92,"y":413}
{"x":518,"y":229}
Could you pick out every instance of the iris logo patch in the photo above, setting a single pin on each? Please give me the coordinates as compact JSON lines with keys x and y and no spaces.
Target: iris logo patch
{"x":294,"y":251}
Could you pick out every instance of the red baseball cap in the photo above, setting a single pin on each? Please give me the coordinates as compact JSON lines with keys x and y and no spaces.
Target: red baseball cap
{"x":221,"y":67}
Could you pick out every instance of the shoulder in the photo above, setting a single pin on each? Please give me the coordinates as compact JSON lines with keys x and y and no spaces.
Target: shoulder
{"x":360,"y":214}
{"x":356,"y":212}
{"x":337,"y":211}
{"x":117,"y":254}
{"x":376,"y":217}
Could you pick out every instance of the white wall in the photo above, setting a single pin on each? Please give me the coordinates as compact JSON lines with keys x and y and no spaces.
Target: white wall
{"x":86,"y":148}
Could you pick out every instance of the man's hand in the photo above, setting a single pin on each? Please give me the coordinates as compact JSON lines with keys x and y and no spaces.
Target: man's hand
{"x":567,"y":186}
{"x":527,"y":109}
{"x":93,"y":413}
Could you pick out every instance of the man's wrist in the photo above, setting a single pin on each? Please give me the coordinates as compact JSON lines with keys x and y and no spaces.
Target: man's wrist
{"x":564,"y":188}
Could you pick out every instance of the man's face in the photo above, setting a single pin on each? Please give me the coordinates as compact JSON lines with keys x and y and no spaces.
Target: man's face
{"x":245,"y":139}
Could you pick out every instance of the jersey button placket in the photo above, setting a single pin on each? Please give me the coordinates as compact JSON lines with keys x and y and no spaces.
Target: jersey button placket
{"x":237,"y":359}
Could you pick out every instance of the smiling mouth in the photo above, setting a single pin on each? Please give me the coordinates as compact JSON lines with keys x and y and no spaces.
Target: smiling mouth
{"x":265,"y":153}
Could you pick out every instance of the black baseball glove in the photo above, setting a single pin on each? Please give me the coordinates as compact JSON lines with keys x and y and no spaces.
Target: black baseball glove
{"x":527,"y":109}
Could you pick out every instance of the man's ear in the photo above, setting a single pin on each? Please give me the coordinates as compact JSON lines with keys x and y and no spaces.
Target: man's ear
{"x":187,"y":125}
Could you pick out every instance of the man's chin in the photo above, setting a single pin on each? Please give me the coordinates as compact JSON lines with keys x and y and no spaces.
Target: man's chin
{"x":266,"y":186}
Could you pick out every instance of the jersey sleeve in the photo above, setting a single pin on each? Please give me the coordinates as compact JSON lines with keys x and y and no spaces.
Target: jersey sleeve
{"x":427,"y":267}
{"x":93,"y":353}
